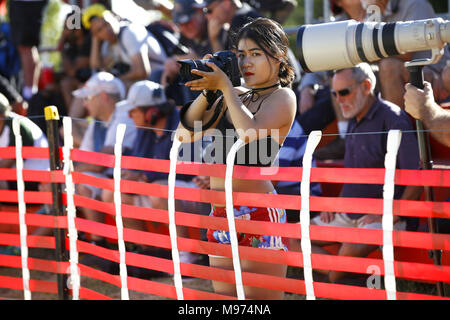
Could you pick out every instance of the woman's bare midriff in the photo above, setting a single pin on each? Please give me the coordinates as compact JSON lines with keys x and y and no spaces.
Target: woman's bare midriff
{"x":239,"y":185}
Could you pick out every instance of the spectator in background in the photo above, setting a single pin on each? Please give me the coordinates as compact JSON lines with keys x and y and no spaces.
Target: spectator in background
{"x":189,"y":18}
{"x":32,"y":136}
{"x":354,"y":90}
{"x":26,"y":21}
{"x":316,"y":107}
{"x":156,"y":117}
{"x":101,"y":93}
{"x":75,"y":47}
{"x":291,"y":155}
{"x":278,"y":10}
{"x":133,"y":52}
{"x":225,"y":18}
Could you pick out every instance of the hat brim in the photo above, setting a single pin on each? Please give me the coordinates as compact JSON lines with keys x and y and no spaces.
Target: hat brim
{"x":124,"y":106}
{"x":82,"y":93}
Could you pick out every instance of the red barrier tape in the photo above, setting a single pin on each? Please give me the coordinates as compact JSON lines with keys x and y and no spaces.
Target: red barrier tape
{"x":27,"y":152}
{"x":435,"y":178}
{"x":29,"y":197}
{"x":408,"y":270}
{"x":9,"y":239}
{"x":332,"y":204}
{"x":35,"y":285}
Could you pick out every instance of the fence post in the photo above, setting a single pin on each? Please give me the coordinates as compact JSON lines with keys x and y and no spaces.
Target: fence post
{"x":57,"y":209}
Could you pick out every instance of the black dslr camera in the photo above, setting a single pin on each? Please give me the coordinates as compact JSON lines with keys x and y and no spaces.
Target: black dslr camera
{"x":225,"y":60}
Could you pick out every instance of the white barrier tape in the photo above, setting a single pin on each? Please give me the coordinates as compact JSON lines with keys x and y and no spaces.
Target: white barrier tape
{"x":118,"y":206}
{"x":22,"y":210}
{"x":71,"y":209}
{"x":312,"y":143}
{"x":230,"y":217}
{"x":393,"y":144}
{"x":172,"y":225}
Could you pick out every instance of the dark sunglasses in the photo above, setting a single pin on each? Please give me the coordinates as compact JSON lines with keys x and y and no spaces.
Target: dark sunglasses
{"x":343,"y":92}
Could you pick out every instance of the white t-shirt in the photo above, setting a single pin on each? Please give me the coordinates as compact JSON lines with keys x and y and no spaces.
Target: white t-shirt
{"x":135,"y":38}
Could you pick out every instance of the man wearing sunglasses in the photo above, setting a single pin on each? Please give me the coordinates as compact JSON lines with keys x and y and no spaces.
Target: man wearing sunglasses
{"x":370,"y":119}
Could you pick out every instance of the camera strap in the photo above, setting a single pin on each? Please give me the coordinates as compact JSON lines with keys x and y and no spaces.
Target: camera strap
{"x":217,"y":111}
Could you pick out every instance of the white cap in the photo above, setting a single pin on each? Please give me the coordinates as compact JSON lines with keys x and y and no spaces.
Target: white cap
{"x":101,"y":82}
{"x":143,"y":93}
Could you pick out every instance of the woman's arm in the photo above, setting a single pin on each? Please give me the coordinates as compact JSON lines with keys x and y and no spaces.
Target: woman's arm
{"x":197,"y":112}
{"x":277,"y":111}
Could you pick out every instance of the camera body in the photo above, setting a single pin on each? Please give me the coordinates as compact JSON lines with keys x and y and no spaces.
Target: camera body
{"x":225,"y":60}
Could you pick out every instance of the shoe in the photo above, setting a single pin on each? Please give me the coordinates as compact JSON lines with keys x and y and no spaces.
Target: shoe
{"x":335,"y":150}
{"x":144,"y":273}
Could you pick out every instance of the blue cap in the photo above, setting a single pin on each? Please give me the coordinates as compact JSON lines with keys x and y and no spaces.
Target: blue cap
{"x":183,"y":10}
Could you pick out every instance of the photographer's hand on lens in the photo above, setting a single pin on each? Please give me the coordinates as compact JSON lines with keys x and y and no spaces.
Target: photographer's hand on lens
{"x":417,"y":100}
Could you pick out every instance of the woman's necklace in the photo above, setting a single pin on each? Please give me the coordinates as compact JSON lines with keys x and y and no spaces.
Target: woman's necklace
{"x":254,"y":94}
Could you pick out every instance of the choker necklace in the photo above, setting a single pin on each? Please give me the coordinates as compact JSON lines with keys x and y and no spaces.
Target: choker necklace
{"x":254,"y":94}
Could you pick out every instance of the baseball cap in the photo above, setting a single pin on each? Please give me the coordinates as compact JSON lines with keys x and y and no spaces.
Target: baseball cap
{"x":101,"y":82}
{"x":183,"y":10}
{"x":143,"y":94}
{"x":95,"y":10}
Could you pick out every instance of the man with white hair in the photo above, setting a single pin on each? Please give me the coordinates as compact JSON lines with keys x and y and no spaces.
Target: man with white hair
{"x":101,"y":93}
{"x":32,"y":136}
{"x":370,"y":119}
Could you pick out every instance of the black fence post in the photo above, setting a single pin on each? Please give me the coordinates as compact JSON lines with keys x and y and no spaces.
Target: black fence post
{"x":57,"y":209}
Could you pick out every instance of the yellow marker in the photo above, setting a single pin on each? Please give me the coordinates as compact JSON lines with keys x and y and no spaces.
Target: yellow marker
{"x":51,"y":113}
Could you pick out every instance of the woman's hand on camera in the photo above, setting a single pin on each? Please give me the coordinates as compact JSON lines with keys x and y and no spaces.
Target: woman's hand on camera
{"x":214,"y":80}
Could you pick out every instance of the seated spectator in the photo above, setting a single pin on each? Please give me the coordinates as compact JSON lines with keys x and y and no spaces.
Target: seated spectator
{"x":278,"y":10}
{"x":101,"y":93}
{"x":133,"y":51}
{"x":354,"y":92}
{"x":291,"y":155}
{"x":226,"y":17}
{"x":75,"y":47}
{"x":316,"y":107}
{"x":32,"y":136}
{"x":191,"y":21}
{"x":323,"y":112}
{"x":156,"y":117}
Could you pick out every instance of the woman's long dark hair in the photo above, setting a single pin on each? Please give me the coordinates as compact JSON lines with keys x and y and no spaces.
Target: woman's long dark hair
{"x":269,"y":35}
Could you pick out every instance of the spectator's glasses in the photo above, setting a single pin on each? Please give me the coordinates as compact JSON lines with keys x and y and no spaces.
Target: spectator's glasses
{"x":343,"y":92}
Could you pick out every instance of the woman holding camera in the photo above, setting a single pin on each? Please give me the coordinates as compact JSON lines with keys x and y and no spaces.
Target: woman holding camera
{"x":260,"y":114}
